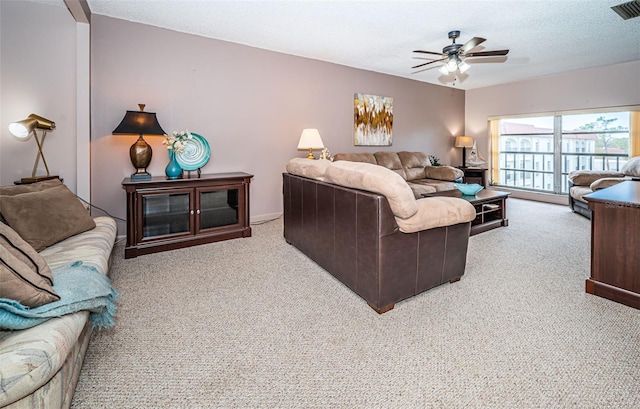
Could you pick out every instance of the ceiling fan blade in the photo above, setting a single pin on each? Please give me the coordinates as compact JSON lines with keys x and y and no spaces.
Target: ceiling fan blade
{"x":487,"y":53}
{"x":473,"y":43}
{"x":427,"y":63}
{"x":426,"y":52}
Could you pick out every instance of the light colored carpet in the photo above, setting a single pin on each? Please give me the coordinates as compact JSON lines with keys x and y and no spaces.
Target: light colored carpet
{"x":253,"y":323}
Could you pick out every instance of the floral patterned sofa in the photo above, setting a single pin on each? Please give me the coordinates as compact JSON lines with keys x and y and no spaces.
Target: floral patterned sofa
{"x":40,"y":365}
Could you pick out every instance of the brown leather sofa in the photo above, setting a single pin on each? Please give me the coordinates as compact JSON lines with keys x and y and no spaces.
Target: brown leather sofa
{"x":414,"y":167}
{"x":355,"y":235}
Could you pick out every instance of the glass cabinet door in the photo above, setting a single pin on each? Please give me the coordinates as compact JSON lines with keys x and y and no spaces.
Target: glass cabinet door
{"x":218,"y":208}
{"x":165,"y":214}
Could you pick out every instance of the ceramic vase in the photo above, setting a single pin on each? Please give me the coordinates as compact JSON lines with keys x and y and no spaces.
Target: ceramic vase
{"x":173,"y":169}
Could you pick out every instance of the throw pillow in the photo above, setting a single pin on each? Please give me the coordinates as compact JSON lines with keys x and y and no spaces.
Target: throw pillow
{"x":12,"y":190}
{"x":443,"y":172}
{"x":632,"y":167}
{"x":24,"y":274}
{"x":46,"y":217}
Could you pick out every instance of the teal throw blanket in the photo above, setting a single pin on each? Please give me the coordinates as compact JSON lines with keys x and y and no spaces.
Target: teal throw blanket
{"x":80,"y":287}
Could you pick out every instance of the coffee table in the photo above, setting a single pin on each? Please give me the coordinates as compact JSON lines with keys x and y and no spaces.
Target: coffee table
{"x":490,"y":205}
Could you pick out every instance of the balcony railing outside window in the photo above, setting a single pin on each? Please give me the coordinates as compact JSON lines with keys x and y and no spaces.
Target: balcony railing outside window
{"x":534,"y":170}
{"x":563,"y":143}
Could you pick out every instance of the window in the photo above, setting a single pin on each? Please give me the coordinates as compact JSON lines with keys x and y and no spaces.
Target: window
{"x":585,"y":140}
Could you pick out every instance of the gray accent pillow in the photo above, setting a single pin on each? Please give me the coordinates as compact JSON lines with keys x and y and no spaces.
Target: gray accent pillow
{"x":46,"y":217}
{"x":24,"y":274}
{"x":632,"y":167}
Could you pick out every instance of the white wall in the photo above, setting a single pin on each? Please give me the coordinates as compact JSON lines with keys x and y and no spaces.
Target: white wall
{"x":38,"y":67}
{"x":610,"y":86}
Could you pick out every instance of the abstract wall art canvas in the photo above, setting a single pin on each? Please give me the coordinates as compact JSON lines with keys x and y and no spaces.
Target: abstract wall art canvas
{"x":373,"y":120}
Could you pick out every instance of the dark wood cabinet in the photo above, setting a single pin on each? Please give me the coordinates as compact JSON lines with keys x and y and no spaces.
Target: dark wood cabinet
{"x":615,"y":243}
{"x":475,"y":175}
{"x":165,"y":214}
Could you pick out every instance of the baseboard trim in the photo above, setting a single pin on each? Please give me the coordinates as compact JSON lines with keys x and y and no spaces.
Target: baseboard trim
{"x":267,"y":217}
{"x":535,"y":196}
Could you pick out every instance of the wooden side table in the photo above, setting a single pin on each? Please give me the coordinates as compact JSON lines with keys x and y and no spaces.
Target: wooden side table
{"x":475,"y":175}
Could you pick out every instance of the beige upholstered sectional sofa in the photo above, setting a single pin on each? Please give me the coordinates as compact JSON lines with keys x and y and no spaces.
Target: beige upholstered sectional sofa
{"x":414,"y":167}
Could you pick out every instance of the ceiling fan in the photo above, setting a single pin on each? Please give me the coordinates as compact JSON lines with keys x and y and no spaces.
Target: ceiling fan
{"x":455,"y":54}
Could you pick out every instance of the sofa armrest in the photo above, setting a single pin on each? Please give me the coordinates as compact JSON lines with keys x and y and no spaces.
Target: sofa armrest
{"x":437,"y":211}
{"x":603,"y":183}
{"x":448,"y":173}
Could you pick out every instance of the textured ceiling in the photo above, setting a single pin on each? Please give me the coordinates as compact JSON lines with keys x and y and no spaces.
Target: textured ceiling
{"x":544,"y":37}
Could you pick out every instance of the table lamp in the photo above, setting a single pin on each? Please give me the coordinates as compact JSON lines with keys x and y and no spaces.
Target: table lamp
{"x":464,"y":142}
{"x":310,"y":139}
{"x":22,"y":130}
{"x":141,"y":123}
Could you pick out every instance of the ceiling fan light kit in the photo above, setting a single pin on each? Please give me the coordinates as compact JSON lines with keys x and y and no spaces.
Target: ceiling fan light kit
{"x":454,"y":54}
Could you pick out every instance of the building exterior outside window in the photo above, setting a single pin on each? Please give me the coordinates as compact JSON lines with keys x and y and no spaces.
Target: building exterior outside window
{"x":527,"y":158}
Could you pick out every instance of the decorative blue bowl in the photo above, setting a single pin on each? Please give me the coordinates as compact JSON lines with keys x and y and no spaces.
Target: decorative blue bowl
{"x":469,"y":189}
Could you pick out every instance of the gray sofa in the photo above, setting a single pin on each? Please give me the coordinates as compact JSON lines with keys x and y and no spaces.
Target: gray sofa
{"x":414,"y":167}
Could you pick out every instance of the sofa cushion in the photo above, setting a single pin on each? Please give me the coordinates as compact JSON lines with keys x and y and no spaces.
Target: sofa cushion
{"x":632,"y":167}
{"x":378,"y":179}
{"x":46,"y":217}
{"x":437,"y":185}
{"x":390,"y":160}
{"x":437,"y":211}
{"x":603,"y":183}
{"x":448,"y":173}
{"x":93,"y":247}
{"x":419,"y":189}
{"x":309,"y":168}
{"x":356,"y":157}
{"x":587,"y":177}
{"x":414,"y":164}
{"x":24,"y":274}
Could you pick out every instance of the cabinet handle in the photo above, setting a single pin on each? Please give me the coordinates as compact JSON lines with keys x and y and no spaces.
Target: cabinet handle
{"x":191,"y":212}
{"x":198,"y":211}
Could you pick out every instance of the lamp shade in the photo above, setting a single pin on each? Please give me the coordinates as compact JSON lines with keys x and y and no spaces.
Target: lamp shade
{"x":138,"y":122}
{"x":464,"y":142}
{"x":452,"y":65}
{"x":22,"y":129}
{"x":310,"y":139}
